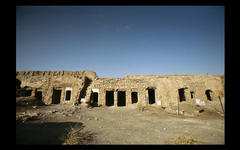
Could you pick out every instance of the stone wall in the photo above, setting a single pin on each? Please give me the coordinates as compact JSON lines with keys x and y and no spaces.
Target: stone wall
{"x":118,"y":84}
{"x":84,"y":83}
{"x":167,"y":86}
{"x":47,"y":81}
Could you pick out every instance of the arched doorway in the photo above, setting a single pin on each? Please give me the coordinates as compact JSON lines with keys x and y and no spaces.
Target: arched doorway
{"x":208,"y":94}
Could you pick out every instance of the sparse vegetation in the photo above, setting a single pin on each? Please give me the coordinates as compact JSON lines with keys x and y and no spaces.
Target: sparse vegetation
{"x":25,"y":117}
{"x":187,"y":139}
{"x":64,"y":124}
{"x":28,"y":101}
{"x":75,"y":136}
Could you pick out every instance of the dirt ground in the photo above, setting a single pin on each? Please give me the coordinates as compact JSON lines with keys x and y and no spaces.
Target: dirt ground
{"x":114,"y":125}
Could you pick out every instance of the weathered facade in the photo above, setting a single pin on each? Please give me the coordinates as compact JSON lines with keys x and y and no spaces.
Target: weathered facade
{"x":56,"y":87}
{"x":67,"y":87}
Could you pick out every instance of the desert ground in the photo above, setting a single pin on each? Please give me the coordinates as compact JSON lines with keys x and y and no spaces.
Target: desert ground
{"x":69,"y":124}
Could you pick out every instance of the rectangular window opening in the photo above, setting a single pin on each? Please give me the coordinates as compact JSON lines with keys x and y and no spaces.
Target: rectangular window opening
{"x":68,"y":95}
{"x":192,"y":94}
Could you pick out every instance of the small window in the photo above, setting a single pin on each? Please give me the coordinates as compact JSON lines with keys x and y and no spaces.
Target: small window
{"x":192,"y":94}
{"x":68,"y":95}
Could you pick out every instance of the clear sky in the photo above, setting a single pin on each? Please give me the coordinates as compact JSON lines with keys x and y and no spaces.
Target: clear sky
{"x":115,"y":41}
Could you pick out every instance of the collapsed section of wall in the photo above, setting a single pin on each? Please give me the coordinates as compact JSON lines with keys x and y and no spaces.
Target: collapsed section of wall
{"x":55,"y":87}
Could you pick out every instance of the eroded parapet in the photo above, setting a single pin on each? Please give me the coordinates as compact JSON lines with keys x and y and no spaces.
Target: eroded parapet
{"x":57,"y":87}
{"x":77,"y":74}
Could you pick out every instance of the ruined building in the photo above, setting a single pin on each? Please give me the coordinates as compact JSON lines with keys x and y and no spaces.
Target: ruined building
{"x":84,"y":87}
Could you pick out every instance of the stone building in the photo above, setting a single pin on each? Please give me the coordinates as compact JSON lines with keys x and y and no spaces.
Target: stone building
{"x":84,"y":87}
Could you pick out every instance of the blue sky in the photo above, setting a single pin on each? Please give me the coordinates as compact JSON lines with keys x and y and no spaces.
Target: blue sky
{"x":115,"y":41}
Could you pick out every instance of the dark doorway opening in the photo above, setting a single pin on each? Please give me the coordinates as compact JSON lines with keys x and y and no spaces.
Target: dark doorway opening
{"x":56,"y":97}
{"x":151,"y":96}
{"x":94,"y":99}
{"x":68,"y":95}
{"x":208,"y":95}
{"x":121,"y":98}
{"x":28,"y":92}
{"x":181,"y":94}
{"x":134,"y":97}
{"x":192,"y":94}
{"x":109,"y":98}
{"x":18,"y":84}
{"x":39,"y":95}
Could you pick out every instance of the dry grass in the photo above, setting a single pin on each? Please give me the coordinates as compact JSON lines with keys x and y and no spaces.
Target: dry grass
{"x":28,"y":101}
{"x":23,"y":118}
{"x":75,"y":136}
{"x":185,"y":140}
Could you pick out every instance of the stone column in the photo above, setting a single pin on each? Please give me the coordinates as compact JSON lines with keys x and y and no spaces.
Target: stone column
{"x":102,"y":97}
{"x":128,"y":97}
{"x":62,"y":99}
{"x":47,"y":95}
{"x":141,"y":96}
{"x":115,"y":97}
{"x":34,"y":90}
{"x":187,"y":94}
{"x":146,"y":100}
